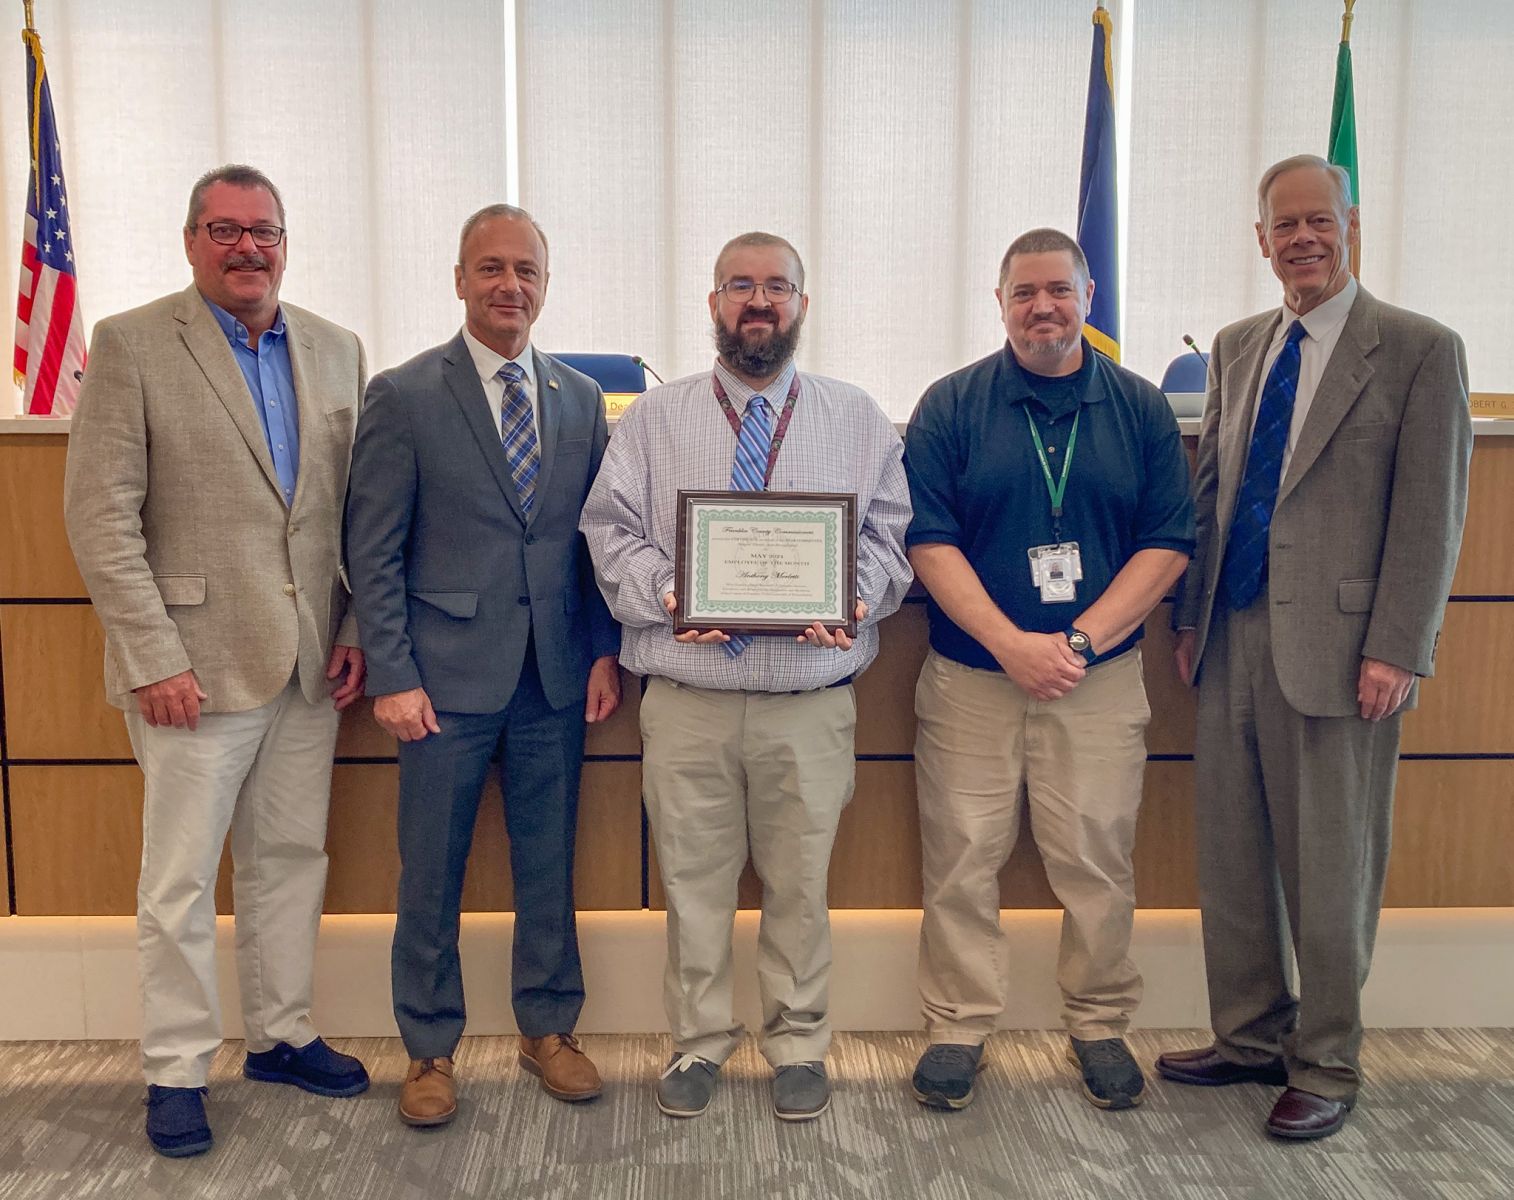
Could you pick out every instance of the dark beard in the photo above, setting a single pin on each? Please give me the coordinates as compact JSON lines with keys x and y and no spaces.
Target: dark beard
{"x":758,"y":359}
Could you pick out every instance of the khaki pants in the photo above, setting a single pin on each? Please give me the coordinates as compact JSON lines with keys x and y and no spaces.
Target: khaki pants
{"x":1080,"y":760}
{"x":724,"y":772}
{"x":1294,"y":817}
{"x":266,"y":776}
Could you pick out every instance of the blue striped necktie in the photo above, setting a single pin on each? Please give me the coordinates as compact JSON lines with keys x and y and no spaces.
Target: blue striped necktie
{"x":1245,"y":565}
{"x":749,"y":473}
{"x":517,"y":432}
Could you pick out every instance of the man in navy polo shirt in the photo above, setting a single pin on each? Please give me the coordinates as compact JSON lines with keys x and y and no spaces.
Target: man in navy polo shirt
{"x":1051,"y":514}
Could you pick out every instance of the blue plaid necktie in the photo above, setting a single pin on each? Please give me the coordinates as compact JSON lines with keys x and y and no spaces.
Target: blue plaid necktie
{"x":749,"y":473}
{"x":1245,"y":564}
{"x":517,"y":432}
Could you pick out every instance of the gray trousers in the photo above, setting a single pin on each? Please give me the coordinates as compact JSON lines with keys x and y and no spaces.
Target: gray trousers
{"x":540,"y":752}
{"x":1294,"y":820}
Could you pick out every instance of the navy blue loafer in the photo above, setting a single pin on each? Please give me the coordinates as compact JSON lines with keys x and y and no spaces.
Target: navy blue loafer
{"x":176,"y":1124}
{"x":316,"y":1068}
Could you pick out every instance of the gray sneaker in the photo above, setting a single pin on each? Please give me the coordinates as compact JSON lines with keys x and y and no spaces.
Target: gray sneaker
{"x":944,"y":1076}
{"x":801,"y":1091}
{"x":1111,"y":1078}
{"x":685,"y":1087}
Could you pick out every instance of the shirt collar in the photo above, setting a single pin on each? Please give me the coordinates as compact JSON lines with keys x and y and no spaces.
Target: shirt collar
{"x":740,"y":394}
{"x":235,"y":331}
{"x":1320,"y":320}
{"x":1017,"y":387}
{"x":488,"y":362}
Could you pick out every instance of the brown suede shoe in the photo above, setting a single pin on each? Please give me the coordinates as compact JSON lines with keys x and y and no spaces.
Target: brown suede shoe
{"x":428,"y":1096}
{"x":564,"y":1069}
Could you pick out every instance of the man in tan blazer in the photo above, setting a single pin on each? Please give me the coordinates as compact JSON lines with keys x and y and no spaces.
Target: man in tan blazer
{"x":1331,"y":487}
{"x":207,"y":470}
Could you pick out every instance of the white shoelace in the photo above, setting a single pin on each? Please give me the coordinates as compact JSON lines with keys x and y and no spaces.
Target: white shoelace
{"x":682,"y":1063}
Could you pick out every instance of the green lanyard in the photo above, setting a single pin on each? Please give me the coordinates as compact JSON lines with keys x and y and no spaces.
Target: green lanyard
{"x":1058,"y":489}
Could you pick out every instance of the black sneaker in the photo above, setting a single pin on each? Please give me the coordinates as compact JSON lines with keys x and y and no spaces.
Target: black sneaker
{"x":176,"y":1124}
{"x":316,"y":1067}
{"x":944,"y":1075}
{"x":1111,"y":1078}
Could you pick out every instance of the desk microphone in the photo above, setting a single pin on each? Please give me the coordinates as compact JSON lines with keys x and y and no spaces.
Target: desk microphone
{"x":1192,"y":345}
{"x":642,"y":363}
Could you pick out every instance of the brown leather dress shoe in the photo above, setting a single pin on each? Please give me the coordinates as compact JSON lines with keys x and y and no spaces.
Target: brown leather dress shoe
{"x":1208,"y":1068}
{"x":1303,"y":1116}
{"x":564,"y":1069}
{"x":428,"y":1095}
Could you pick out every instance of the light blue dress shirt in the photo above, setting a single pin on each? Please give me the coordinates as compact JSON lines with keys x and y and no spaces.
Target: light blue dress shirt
{"x":270,"y":379}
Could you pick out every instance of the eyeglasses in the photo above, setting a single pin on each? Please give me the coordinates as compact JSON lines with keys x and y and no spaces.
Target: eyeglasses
{"x":742,"y":290}
{"x":229,"y":233}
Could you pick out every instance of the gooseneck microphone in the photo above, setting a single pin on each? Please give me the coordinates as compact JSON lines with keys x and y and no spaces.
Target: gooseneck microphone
{"x":642,"y":363}
{"x":1192,"y":345}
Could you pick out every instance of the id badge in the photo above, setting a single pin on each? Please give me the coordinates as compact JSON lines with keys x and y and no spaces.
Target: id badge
{"x":1056,"y":571}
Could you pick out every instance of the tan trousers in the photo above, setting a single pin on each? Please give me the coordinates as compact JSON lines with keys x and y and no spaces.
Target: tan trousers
{"x":1294,"y":818}
{"x":1080,"y":761}
{"x":725,"y":772}
{"x":264,"y":775}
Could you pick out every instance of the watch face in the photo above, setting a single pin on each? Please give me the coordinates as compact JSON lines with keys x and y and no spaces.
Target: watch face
{"x":1078,"y":641}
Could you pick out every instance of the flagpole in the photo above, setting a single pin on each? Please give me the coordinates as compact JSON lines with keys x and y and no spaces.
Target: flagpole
{"x":27,"y":4}
{"x":1345,"y":20}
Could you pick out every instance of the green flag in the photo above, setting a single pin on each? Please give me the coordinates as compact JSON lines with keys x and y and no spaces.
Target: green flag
{"x":1343,"y":128}
{"x":1343,"y":120}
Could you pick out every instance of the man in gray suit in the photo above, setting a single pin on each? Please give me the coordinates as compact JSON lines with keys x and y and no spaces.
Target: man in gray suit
{"x":485,"y":633}
{"x":206,"y":468}
{"x":1331,"y":487}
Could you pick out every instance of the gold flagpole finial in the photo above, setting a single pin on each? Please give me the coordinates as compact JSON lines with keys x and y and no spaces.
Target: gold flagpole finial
{"x":1345,"y":21}
{"x":30,"y":28}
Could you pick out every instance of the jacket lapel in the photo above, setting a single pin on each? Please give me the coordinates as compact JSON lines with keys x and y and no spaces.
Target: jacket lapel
{"x":207,"y":344}
{"x":462,"y":379}
{"x":1345,"y":376}
{"x":549,"y":400}
{"x":304,"y":366}
{"x":1235,"y":429}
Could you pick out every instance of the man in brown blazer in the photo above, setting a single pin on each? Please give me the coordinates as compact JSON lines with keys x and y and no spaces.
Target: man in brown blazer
{"x":207,"y":470}
{"x":1331,"y":487}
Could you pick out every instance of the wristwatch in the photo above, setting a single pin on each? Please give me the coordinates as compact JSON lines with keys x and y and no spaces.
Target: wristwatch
{"x":1081,"y":643}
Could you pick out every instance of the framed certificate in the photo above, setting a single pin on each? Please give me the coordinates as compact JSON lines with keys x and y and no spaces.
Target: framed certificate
{"x":766,"y":562}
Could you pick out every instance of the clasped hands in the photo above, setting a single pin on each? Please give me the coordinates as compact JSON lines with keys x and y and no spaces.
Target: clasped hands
{"x":816,"y":635}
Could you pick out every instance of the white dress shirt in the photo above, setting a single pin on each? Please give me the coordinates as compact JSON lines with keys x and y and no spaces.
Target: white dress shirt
{"x":488,"y":363}
{"x":1322,"y":329}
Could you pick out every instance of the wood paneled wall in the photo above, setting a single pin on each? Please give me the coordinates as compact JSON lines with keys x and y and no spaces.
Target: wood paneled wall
{"x":73,"y":795}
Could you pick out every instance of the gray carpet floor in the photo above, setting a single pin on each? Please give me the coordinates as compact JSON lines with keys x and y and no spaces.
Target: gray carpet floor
{"x":1435,"y":1123}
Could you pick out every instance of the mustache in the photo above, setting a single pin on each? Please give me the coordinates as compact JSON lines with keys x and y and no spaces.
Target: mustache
{"x":234,"y":262}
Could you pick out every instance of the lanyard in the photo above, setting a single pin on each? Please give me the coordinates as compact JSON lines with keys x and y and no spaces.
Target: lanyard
{"x":1058,"y":489}
{"x":783,"y":420}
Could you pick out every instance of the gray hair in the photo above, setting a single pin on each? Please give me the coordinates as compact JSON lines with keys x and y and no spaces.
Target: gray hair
{"x":757,"y":238}
{"x":489,"y":212}
{"x":1340,"y":178}
{"x":238,"y":175}
{"x":1045,"y":241}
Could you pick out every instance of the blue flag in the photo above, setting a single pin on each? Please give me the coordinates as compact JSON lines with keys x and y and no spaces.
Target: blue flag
{"x":1098,"y":218}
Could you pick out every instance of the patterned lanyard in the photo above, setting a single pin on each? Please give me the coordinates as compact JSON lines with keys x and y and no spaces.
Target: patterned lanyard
{"x":783,"y":420}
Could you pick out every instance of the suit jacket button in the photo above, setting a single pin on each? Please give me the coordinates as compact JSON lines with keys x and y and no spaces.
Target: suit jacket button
{"x":289,"y":589}
{"x":530,"y":539}
{"x":523,"y":601}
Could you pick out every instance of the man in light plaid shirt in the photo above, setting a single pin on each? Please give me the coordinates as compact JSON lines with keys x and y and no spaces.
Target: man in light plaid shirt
{"x":747,"y":742}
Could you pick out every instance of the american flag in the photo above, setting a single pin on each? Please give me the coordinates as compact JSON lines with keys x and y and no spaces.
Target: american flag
{"x":49,"y":327}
